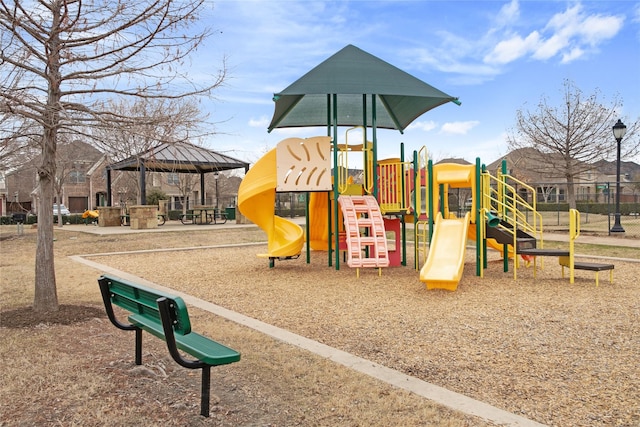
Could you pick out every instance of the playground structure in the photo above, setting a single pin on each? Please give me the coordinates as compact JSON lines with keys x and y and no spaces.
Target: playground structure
{"x":295,"y":165}
{"x":355,"y":218}
{"x":90,"y":216}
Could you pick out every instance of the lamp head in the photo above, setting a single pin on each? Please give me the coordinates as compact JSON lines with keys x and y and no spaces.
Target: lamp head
{"x":619,"y":130}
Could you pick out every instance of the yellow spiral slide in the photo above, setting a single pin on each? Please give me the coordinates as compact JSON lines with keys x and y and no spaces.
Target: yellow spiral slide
{"x":256,"y":201}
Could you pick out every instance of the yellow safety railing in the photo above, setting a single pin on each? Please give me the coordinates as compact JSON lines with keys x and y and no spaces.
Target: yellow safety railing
{"x":505,"y":200}
{"x":421,"y":231}
{"x":343,"y":161}
{"x":392,"y":192}
{"x":502,"y":198}
{"x":367,"y":155}
{"x":482,"y":227}
{"x":574,"y":232}
{"x":420,"y":183}
{"x":421,"y":227}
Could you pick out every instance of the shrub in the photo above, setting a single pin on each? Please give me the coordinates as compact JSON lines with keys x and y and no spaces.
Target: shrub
{"x":155,"y":195}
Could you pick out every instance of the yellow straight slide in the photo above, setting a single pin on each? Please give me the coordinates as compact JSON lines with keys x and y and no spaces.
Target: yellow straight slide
{"x":256,"y":201}
{"x":445,"y":263}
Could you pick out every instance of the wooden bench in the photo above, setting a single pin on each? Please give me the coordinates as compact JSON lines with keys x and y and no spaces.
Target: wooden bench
{"x":166,"y":317}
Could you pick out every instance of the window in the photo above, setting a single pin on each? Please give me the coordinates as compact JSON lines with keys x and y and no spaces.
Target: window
{"x":172,"y":179}
{"x":76,"y":177}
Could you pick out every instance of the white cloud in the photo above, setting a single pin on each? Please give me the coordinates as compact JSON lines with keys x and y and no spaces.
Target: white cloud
{"x":550,"y":47}
{"x":478,"y":57}
{"x":595,"y":29}
{"x":262,"y":122}
{"x":575,"y":53}
{"x":459,"y":128}
{"x":571,"y":34}
{"x":514,"y":48}
{"x":508,"y":13}
{"x":425,"y":126}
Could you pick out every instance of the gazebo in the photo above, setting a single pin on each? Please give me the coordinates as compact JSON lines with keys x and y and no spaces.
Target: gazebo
{"x":177,"y":157}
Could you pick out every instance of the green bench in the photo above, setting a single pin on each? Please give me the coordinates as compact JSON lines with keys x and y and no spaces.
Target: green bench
{"x":166,"y":317}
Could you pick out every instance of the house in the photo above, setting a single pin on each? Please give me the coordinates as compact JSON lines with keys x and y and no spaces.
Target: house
{"x":595,"y":182}
{"x":82,"y":183}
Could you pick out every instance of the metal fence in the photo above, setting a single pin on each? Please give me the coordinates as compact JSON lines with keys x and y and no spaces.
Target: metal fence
{"x":596,"y":203}
{"x":597,"y":213}
{"x":592,"y":223}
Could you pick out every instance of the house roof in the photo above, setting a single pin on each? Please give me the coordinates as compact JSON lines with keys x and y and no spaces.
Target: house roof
{"x":180,"y":157}
{"x":456,"y":160}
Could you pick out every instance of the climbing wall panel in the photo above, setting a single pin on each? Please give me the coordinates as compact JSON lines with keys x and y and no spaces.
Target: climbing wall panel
{"x":365,"y":232}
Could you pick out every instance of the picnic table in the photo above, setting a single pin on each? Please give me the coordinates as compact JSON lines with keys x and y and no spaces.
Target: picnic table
{"x":126,"y":219}
{"x":203,"y":215}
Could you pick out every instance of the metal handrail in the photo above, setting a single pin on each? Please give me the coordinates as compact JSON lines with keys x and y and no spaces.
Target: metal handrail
{"x":512,"y":208}
{"x":510,"y":205}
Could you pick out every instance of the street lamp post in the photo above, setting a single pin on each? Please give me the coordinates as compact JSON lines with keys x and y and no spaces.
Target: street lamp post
{"x":216,"y":175}
{"x":619,"y":130}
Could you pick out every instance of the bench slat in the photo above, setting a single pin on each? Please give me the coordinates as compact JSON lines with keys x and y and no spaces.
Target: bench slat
{"x":142,"y":300}
{"x":198,"y":346}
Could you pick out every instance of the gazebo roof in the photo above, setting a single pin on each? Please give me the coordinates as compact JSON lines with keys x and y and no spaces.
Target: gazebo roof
{"x":180,"y":157}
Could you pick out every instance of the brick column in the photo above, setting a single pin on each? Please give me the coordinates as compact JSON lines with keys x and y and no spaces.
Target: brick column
{"x":143,"y":217}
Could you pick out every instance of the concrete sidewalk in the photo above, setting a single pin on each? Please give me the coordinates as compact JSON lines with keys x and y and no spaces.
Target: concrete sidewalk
{"x":169,"y":226}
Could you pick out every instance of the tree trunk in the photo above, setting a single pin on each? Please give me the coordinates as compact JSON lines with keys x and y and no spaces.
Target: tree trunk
{"x":46,"y":297}
{"x":571,"y":193}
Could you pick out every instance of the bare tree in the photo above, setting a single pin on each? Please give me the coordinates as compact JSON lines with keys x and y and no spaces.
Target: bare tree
{"x":62,"y":62}
{"x":16,"y":141}
{"x":185,"y":183}
{"x":158,"y":120}
{"x":570,"y":138}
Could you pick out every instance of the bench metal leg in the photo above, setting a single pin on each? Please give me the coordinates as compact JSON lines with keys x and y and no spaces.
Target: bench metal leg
{"x":205,"y":393}
{"x":138,"y":346}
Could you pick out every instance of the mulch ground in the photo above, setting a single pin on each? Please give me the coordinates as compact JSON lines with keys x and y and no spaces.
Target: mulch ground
{"x":556,"y":353}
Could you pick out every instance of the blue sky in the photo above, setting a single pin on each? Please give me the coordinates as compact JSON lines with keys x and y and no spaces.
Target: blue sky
{"x":496,"y":56}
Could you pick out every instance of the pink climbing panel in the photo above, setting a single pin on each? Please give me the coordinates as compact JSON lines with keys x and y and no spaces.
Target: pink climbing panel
{"x":365,"y":233}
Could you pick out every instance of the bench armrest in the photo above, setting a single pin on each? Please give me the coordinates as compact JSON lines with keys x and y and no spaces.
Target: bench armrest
{"x":167,"y":325}
{"x":208,"y":352}
{"x":108,"y":306}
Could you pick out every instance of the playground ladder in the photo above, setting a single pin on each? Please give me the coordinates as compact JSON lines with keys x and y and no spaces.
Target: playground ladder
{"x":365,"y":233}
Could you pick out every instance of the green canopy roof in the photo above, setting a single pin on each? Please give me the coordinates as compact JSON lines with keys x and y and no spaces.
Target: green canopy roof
{"x":351,"y":74}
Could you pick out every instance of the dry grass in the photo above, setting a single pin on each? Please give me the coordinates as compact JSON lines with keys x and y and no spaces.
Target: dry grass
{"x":591,"y":223}
{"x":557,"y":353}
{"x":83,"y":374}
{"x":542,"y":349}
